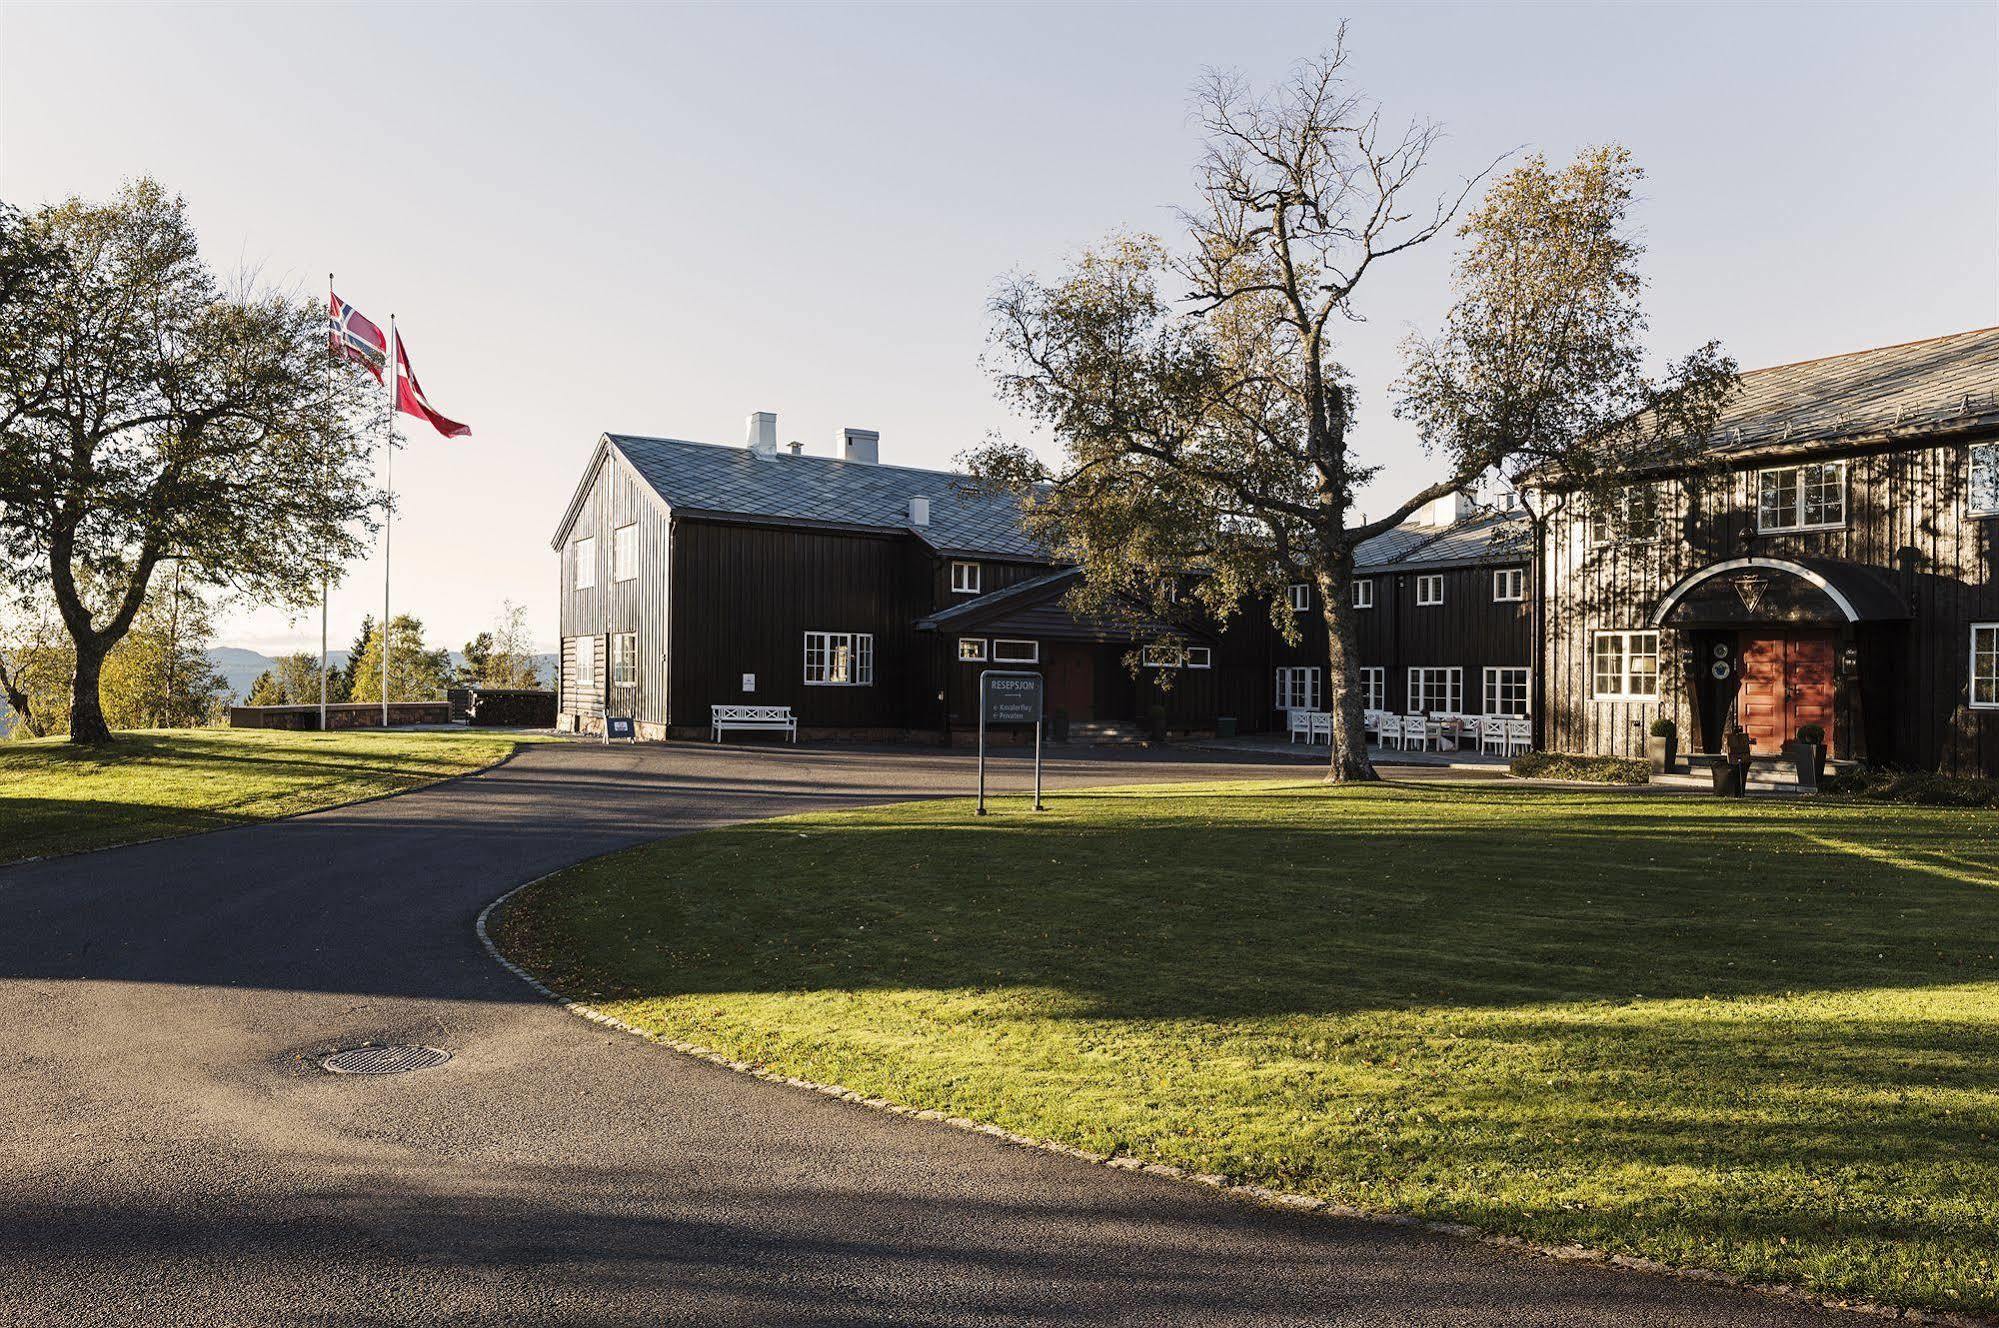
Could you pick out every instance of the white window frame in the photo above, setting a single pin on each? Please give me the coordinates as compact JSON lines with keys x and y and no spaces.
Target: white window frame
{"x":1298,"y":688}
{"x":583,"y":563}
{"x":1626,"y":675}
{"x":1798,"y":487}
{"x":1509,"y":585}
{"x":585,"y":683}
{"x":1197,"y":657}
{"x":1426,"y":583}
{"x":1991,"y":653}
{"x":971,"y":650}
{"x":852,"y":653}
{"x":624,"y":659}
{"x":1363,"y":593}
{"x":1420,"y":685}
{"x":1982,"y":456}
{"x":1373,"y":687}
{"x":1619,"y":526}
{"x":1007,"y":651}
{"x":965,"y":578}
{"x":1299,"y":596}
{"x":625,"y":553}
{"x":1494,"y":685}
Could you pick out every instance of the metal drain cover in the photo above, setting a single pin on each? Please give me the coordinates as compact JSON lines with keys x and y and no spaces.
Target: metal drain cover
{"x":383,"y":1060}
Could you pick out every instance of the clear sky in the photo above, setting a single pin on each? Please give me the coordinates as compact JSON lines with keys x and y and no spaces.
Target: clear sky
{"x":656,"y":219}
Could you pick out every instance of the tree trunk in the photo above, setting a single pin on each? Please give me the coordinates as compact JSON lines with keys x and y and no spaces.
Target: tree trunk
{"x":86,"y":707}
{"x":1349,"y":763}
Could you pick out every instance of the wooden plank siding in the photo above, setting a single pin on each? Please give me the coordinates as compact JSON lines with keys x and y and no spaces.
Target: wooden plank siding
{"x":1906,"y":516}
{"x":616,"y":497}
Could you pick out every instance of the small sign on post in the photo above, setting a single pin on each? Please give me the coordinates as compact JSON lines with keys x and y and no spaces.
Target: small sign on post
{"x":1009,"y":697}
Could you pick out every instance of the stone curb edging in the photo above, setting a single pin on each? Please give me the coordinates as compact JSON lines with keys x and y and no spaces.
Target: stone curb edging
{"x":1248,"y":1193}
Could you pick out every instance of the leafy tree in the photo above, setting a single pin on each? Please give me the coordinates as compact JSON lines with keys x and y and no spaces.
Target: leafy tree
{"x":1214,"y":428}
{"x":159,"y":676}
{"x":348,"y":675}
{"x":507,"y":652}
{"x":266,"y":691}
{"x":478,"y":659}
{"x":1540,"y":365}
{"x":148,"y":415}
{"x":416,"y":672}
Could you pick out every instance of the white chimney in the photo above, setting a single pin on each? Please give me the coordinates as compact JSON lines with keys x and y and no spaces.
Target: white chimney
{"x":762,"y":437}
{"x":861,"y":445}
{"x":919,"y":511}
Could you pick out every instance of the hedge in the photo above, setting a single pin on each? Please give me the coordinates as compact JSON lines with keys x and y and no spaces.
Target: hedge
{"x":1588,"y":769}
{"x":1915,"y":787}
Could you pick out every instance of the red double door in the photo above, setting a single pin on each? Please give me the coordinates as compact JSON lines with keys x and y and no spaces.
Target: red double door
{"x":1787,"y":682}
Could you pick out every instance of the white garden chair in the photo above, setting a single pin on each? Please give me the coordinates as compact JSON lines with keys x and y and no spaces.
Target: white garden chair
{"x":1322,"y":724}
{"x":1415,"y":729}
{"x":1299,"y":721}
{"x":1519,"y":735}
{"x":1492,"y":735}
{"x":1389,"y":731}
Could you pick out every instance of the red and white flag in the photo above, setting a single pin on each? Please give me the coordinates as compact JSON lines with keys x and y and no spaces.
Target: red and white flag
{"x":410,"y":399}
{"x":350,"y":336}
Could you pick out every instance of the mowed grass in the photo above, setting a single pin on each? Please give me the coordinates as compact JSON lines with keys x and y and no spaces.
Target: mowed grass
{"x":1749,"y":1037}
{"x":58,"y":798}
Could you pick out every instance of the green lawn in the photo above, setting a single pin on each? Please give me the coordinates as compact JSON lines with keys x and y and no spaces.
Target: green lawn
{"x":1762,"y":1038}
{"x":56,"y":798}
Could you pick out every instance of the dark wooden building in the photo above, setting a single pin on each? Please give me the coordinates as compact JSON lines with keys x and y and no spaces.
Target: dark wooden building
{"x":1840,"y":573}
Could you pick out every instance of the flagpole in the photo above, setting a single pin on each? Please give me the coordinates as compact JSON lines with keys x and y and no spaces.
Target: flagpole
{"x":325,"y":569}
{"x":388,"y":514}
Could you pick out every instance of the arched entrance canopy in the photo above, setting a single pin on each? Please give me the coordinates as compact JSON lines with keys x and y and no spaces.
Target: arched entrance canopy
{"x":1761,"y":590}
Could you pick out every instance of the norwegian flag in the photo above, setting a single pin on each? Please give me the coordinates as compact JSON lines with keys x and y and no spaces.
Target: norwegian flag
{"x":350,"y":336}
{"x":410,"y":399}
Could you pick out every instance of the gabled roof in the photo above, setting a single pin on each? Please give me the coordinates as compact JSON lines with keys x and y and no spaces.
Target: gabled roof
{"x":707,"y":479}
{"x":1482,"y":537}
{"x":1939,"y":385}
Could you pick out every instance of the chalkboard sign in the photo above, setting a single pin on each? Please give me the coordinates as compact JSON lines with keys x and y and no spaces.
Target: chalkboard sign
{"x":1010,"y":698}
{"x":620,"y":726}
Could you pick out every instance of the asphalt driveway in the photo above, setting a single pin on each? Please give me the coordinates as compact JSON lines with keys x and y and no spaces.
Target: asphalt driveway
{"x":169,"y":1152}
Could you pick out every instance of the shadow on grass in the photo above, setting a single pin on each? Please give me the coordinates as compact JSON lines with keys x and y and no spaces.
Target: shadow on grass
{"x":1234,"y":907}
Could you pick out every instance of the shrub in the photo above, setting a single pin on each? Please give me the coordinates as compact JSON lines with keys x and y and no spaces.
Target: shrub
{"x":1663,"y":727}
{"x":1590,"y":769}
{"x":1812,"y":733}
{"x":1915,"y":787}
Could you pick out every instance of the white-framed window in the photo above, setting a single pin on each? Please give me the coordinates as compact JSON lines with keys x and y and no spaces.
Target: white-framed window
{"x":624,"y":659}
{"x":1430,"y":588}
{"x":1808,"y":497}
{"x":1982,"y":484}
{"x":971,"y":649}
{"x":583,"y":555}
{"x":1631,"y":516}
{"x":1374,"y":687}
{"x":625,"y":553}
{"x":1299,"y":596}
{"x":1363,"y":593}
{"x":1198,"y":657}
{"x":1298,"y":689}
{"x":964,"y":578}
{"x":1016,"y":652}
{"x":1169,"y":589}
{"x":1436,"y":689}
{"x":839,"y":659}
{"x":1509,"y":585}
{"x":585,"y":682}
{"x":1626,"y":666}
{"x":1985,"y":666}
{"x":1506,"y":691}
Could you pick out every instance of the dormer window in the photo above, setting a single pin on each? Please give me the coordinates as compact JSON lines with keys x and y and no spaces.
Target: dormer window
{"x":964,"y":578}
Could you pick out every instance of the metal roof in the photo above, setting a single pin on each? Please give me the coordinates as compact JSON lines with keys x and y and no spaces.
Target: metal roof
{"x":1482,"y":537}
{"x":714,"y":480}
{"x":1941,"y":384}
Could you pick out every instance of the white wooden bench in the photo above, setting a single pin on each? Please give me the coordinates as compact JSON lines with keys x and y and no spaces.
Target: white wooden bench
{"x":768,"y":719}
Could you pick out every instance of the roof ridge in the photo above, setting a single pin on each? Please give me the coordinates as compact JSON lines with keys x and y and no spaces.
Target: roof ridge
{"x":788,"y":456}
{"x":1867,"y":350}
